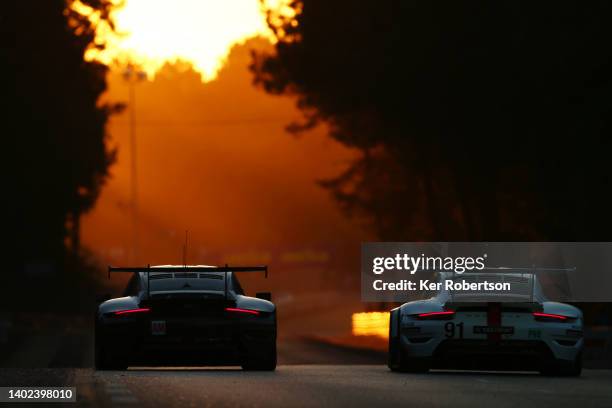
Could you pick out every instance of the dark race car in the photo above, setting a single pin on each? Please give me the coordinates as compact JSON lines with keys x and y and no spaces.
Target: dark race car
{"x":185,"y":316}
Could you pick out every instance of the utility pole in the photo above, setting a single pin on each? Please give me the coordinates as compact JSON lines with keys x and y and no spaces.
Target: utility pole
{"x":132,"y":75}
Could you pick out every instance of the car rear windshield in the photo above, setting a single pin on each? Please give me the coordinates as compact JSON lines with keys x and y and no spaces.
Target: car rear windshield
{"x":187,"y":281}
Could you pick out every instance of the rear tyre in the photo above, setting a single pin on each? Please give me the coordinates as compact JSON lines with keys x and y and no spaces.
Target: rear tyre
{"x":263,"y":359}
{"x":105,"y":360}
{"x":399,"y":362}
{"x":394,"y":359}
{"x":563,"y":368}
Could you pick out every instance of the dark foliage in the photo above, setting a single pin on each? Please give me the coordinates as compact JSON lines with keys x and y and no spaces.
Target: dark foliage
{"x":493,"y":118}
{"x":53,"y":127}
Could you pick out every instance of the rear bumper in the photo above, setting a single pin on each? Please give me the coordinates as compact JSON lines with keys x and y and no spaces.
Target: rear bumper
{"x":198,"y":343}
{"x":515,"y":354}
{"x":484,"y":354}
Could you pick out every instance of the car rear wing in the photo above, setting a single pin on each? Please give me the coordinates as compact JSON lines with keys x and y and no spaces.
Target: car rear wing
{"x":526,"y":269}
{"x":187,"y":268}
{"x":524,"y":277}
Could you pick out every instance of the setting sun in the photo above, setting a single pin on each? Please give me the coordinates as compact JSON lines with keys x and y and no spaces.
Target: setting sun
{"x":152,"y":32}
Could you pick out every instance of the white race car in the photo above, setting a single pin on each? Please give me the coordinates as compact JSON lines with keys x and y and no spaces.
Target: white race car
{"x":484,"y":330}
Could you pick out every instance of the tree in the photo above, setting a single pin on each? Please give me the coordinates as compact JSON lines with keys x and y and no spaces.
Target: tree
{"x":493,"y":116}
{"x":54,"y":125}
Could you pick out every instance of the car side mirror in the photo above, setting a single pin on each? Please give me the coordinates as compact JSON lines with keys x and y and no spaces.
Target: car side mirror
{"x":264,"y":295}
{"x":103,"y":298}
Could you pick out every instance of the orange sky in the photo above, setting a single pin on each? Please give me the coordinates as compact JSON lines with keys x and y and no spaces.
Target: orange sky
{"x":214,"y":158}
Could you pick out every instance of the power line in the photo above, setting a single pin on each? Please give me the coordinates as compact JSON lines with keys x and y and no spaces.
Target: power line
{"x":211,"y":122}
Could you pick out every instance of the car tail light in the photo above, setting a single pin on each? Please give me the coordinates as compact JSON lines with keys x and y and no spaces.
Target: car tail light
{"x":549,"y":317}
{"x":444,"y":315}
{"x":132,"y":311}
{"x":239,"y":310}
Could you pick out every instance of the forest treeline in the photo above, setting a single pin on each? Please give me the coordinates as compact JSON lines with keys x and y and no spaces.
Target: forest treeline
{"x":476,"y":120}
{"x":53,"y":130}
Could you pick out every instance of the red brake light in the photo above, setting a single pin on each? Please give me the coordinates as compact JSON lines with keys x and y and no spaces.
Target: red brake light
{"x":131,"y":311}
{"x":549,"y":317}
{"x":239,"y":310}
{"x":447,"y":314}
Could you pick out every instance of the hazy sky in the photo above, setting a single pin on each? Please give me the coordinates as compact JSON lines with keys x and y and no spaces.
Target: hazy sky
{"x":215,"y":159}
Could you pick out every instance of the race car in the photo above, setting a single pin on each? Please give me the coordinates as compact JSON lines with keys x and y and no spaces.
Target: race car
{"x":520,"y":330}
{"x":184,"y":316}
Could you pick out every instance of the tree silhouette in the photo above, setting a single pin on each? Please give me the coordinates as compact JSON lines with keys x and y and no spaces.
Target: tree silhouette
{"x":53,"y":125}
{"x":494,"y":117}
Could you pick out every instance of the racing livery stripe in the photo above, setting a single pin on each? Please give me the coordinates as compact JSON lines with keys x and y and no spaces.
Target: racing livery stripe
{"x":494,"y":317}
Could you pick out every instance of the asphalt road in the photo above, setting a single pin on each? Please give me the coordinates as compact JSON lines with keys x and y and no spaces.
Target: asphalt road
{"x":310,"y":374}
{"x":316,"y":375}
{"x":327,"y":385}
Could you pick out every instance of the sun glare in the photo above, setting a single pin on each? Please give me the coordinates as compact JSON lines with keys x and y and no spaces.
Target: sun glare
{"x":153,"y":32}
